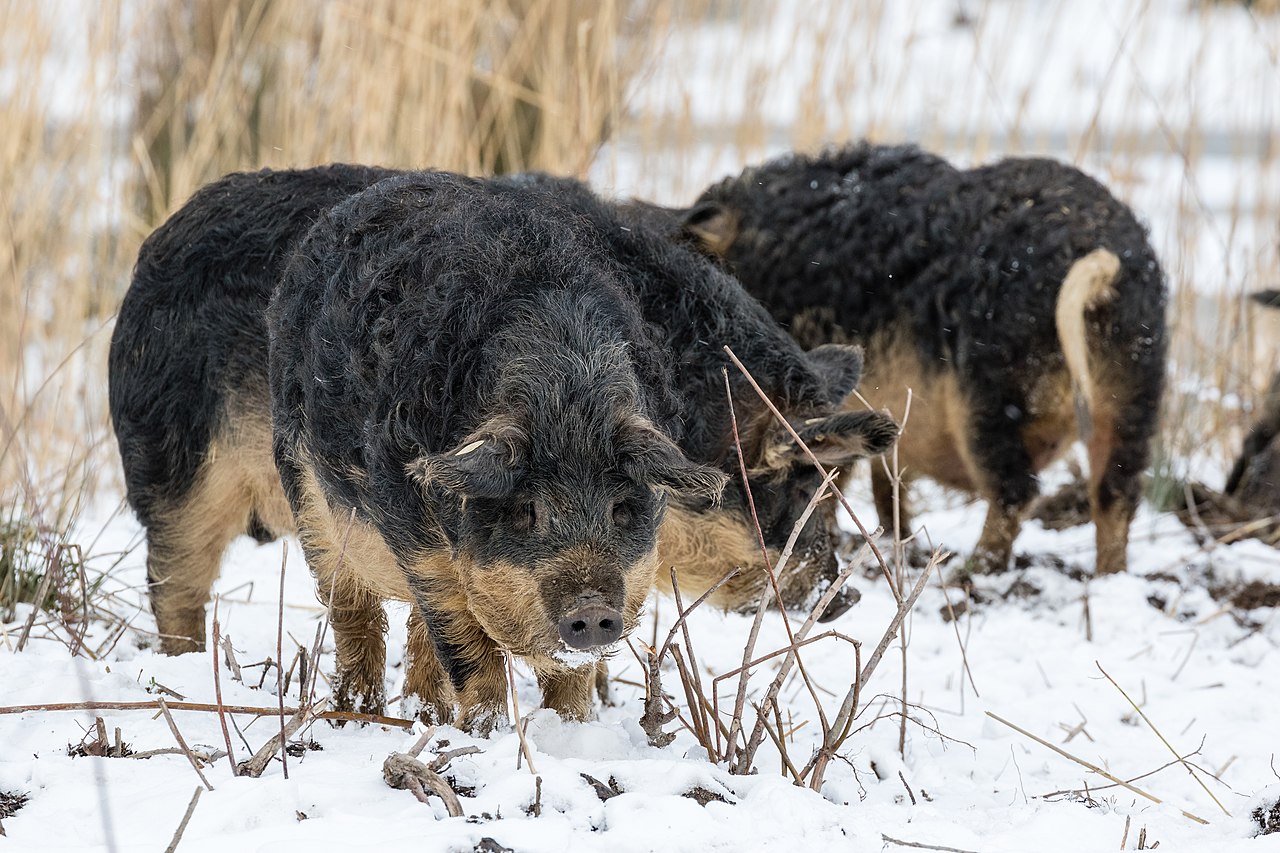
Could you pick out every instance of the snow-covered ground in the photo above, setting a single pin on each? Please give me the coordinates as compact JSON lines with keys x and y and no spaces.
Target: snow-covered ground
{"x":1203,"y":673}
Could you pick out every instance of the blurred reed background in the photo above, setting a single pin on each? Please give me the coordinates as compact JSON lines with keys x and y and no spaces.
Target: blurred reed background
{"x":116,"y":110}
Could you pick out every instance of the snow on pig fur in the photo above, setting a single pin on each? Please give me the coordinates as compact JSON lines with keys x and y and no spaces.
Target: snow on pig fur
{"x":1021,"y":301}
{"x":471,"y":415}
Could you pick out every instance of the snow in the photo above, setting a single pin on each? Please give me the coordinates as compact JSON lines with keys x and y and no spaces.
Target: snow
{"x":1199,"y":672}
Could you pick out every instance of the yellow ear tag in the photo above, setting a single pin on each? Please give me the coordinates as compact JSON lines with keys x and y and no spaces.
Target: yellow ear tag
{"x":473,"y":446}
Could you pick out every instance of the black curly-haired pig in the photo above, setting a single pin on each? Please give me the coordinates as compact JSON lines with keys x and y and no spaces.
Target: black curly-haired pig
{"x":1020,"y":301}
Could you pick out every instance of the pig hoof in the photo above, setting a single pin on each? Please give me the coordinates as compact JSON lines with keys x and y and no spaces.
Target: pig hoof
{"x":482,"y":721}
{"x":414,"y":707}
{"x":369,"y":701}
{"x":844,"y":599}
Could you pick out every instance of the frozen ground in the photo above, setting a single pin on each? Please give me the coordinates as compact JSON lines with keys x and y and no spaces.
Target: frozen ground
{"x":1203,"y":673}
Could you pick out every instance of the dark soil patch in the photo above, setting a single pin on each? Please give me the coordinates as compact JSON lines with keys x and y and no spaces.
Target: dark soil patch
{"x":10,"y":803}
{"x":1267,"y":818}
{"x":1053,"y":563}
{"x":460,"y":789}
{"x":1211,"y":515}
{"x":1068,"y":507}
{"x":954,"y":611}
{"x":1023,"y":589}
{"x":489,"y":845}
{"x":1256,"y":594}
{"x":299,"y":748}
{"x":702,"y":796}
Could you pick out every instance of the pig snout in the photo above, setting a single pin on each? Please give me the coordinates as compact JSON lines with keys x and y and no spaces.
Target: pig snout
{"x":590,"y":624}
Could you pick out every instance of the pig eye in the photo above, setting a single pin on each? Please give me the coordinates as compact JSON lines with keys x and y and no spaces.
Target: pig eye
{"x":621,"y":514}
{"x":525,"y":517}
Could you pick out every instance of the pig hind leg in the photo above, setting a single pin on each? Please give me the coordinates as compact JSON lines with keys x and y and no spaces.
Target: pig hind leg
{"x":1004,"y":472}
{"x":1122,"y":422}
{"x":236,"y":491}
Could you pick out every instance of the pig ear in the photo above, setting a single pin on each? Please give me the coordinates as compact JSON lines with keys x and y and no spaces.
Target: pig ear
{"x":479,"y":467}
{"x":840,"y":366}
{"x":835,"y":439}
{"x":1269,"y":298}
{"x":688,"y":481}
{"x":712,"y":225}
{"x":655,"y":459}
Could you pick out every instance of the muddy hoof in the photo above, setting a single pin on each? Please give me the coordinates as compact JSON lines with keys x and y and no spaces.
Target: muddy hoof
{"x":844,"y":599}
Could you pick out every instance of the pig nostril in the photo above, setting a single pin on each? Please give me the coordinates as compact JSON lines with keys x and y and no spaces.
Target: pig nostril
{"x":591,"y":626}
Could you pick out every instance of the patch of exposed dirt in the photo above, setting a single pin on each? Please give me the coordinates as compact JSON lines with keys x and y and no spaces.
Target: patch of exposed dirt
{"x":299,"y":748}
{"x":702,"y":796}
{"x":1052,"y":562}
{"x":1267,"y":818}
{"x":10,"y":803}
{"x":1255,"y":594}
{"x":489,"y":845}
{"x":1068,"y":507}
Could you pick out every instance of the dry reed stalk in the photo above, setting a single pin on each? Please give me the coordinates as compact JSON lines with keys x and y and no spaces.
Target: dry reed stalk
{"x":121,"y":115}
{"x":515,"y":717}
{"x":690,"y":676}
{"x":182,"y":743}
{"x":899,"y":561}
{"x":771,"y":572}
{"x":152,"y":705}
{"x":256,"y":764}
{"x":186,"y":817}
{"x":1185,"y":764}
{"x":281,"y":685}
{"x":654,"y":717}
{"x":884,"y":567}
{"x":742,"y":764}
{"x":1104,"y":774}
{"x":919,"y":845}
{"x":217,"y":688}
{"x":953,"y":619}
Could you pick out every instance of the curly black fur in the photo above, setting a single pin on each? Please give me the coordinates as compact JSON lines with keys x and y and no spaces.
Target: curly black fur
{"x":419,"y":313}
{"x":463,"y":373}
{"x":192,"y":328}
{"x":700,"y":309}
{"x":869,"y":240}
{"x":971,"y":259}
{"x":189,"y":365}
